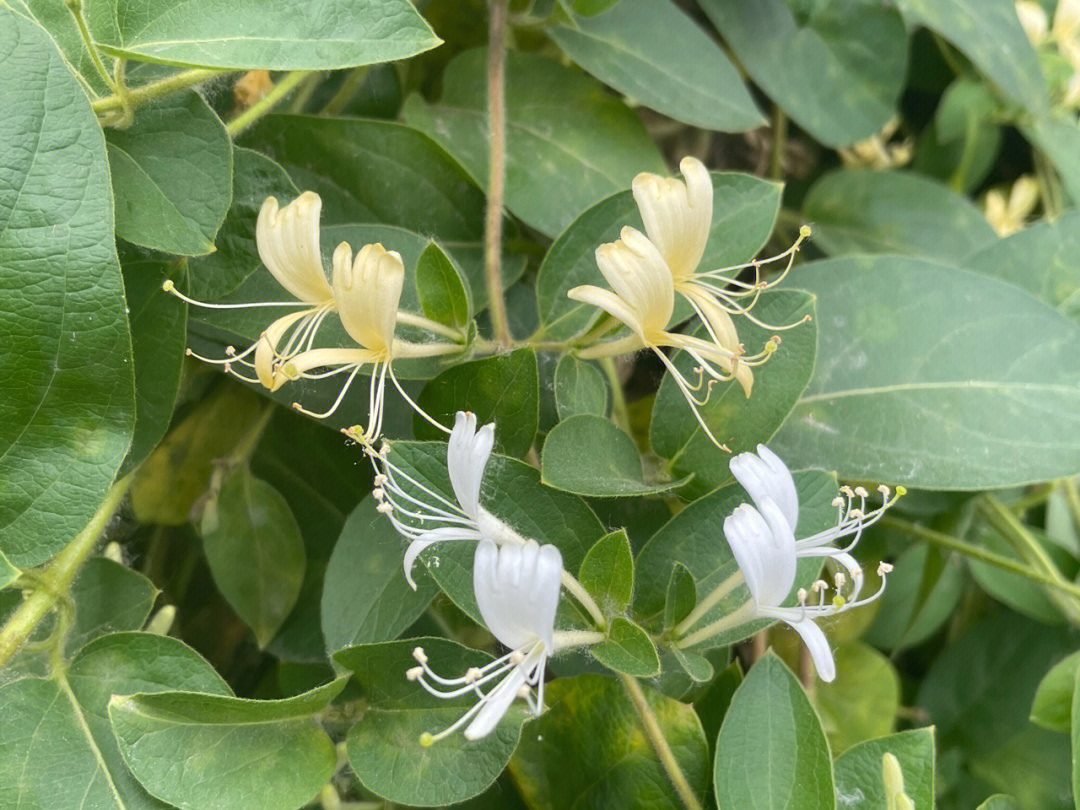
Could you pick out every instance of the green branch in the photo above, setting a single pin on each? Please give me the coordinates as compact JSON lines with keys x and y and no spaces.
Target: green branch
{"x":265,"y":104}
{"x":137,"y":96}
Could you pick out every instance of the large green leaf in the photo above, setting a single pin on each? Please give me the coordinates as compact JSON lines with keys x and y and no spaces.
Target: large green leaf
{"x":236,"y":753}
{"x":172,"y":175}
{"x":579,"y":388}
{"x":862,"y":211}
{"x":588,"y":455}
{"x":246,"y":34}
{"x":837,"y":68}
{"x":859,"y":784}
{"x":56,"y":746}
{"x":601,"y":146}
{"x":744,"y":211}
{"x":589,"y":750}
{"x":772,"y":753}
{"x":862,"y":701}
{"x":990,"y":35}
{"x":650,"y":51}
{"x":384,"y":748}
{"x":256,"y":555}
{"x":443,"y":295}
{"x":67,"y":406}
{"x":737,"y":421}
{"x":1043,"y":259}
{"x":365,"y":597}
{"x":58,"y":20}
{"x":935,"y":377}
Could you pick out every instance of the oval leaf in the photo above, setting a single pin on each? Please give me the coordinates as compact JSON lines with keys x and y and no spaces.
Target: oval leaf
{"x":579,"y":388}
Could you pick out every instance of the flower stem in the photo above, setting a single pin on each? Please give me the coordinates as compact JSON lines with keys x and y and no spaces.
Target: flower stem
{"x":564,"y":639}
{"x":709,"y":602}
{"x":349,"y":88}
{"x":583,"y":597}
{"x":76,"y":9}
{"x":137,"y":96}
{"x":1072,"y":498}
{"x":496,"y":69}
{"x":285,"y":85}
{"x":733,"y":619}
{"x":620,"y":413}
{"x":56,"y":579}
{"x":419,"y":321}
{"x":779,"y":142}
{"x":660,"y":744}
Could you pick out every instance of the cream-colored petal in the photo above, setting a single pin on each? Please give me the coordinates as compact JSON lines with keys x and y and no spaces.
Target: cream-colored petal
{"x":677,"y":214}
{"x":609,"y":302}
{"x":288,"y":243}
{"x":637,"y":273}
{"x":266,"y":355}
{"x":367,"y":292}
{"x":716,"y":317}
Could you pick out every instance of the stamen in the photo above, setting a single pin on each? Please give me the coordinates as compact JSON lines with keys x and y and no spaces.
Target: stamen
{"x":169,"y":287}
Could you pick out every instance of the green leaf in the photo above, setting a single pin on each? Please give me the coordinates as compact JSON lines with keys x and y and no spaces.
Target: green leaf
{"x":108,"y":598}
{"x":57,"y":19}
{"x":286,"y":755}
{"x":502,"y":389}
{"x":511,"y":491}
{"x":1052,"y":707}
{"x":255,"y":552}
{"x":589,"y":455}
{"x":1014,"y":590}
{"x":694,"y":538}
{"x":67,"y":411}
{"x":862,"y":211}
{"x":1043,"y":259}
{"x":698,"y":667}
{"x":905,"y":371}
{"x":712,"y":706}
{"x":650,"y":51}
{"x":255,"y":177}
{"x":836,"y":68}
{"x":8,"y":572}
{"x":601,"y":146}
{"x":628,"y":649}
{"x":772,"y":751}
{"x":589,"y":750}
{"x":607,"y":572}
{"x":999,"y":801}
{"x":47,"y":722}
{"x":1075,"y":739}
{"x":365,"y":596}
{"x":384,"y":747}
{"x":681,"y":595}
{"x":990,"y":35}
{"x":443,"y":295}
{"x":740,"y":422}
{"x":859,"y":784}
{"x":863,"y":700}
{"x":351,"y":162}
{"x":158,"y":335}
{"x":579,"y":388}
{"x":249,"y":34}
{"x":1057,"y":135}
{"x":744,"y":211}
{"x":171,"y":175}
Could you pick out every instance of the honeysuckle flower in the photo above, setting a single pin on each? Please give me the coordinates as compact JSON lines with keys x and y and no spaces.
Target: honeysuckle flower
{"x":762,"y":540}
{"x":892,"y":777}
{"x":422,"y":515}
{"x":879,"y":151}
{"x":1007,"y":214}
{"x":517,"y":590}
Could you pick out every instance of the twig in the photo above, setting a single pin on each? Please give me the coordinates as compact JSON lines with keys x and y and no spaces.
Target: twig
{"x":265,"y":104}
{"x":496,"y":69}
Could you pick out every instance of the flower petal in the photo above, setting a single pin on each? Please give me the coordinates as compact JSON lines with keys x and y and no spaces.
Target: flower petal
{"x":818,"y":646}
{"x":517,"y":590}
{"x":496,"y":704}
{"x":677,"y":215}
{"x":610,"y":303}
{"x":367,"y":292}
{"x":638,"y":274}
{"x":765,"y":476}
{"x":466,"y":457}
{"x":288,"y":243}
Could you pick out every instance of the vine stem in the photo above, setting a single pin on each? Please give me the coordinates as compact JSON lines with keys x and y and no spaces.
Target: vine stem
{"x":137,"y":96}
{"x":54,"y":582}
{"x":659,"y":743}
{"x":619,"y":410}
{"x":583,"y":597}
{"x":496,"y":108}
{"x":284,"y":86}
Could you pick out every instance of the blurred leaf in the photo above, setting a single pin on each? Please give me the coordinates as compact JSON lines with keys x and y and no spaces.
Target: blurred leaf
{"x":579,"y":388}
{"x":8,"y":572}
{"x":1034,"y":766}
{"x":738,"y":421}
{"x":601,"y":146}
{"x":628,"y":649}
{"x":698,"y":667}
{"x":589,"y":455}
{"x":365,"y":596}
{"x":1075,"y":735}
{"x":1052,"y":707}
{"x":108,"y":598}
{"x":443,"y":295}
{"x":859,"y":784}
{"x":607,"y":572}
{"x":502,"y":389}
{"x":384,"y":747}
{"x":836,"y":68}
{"x":651,"y":52}
{"x":249,"y":34}
{"x":990,"y":35}
{"x":999,"y":801}
{"x":712,"y":706}
{"x":589,"y":750}
{"x":158,"y":333}
{"x":171,"y":175}
{"x":863,"y":700}
{"x":1043,"y":259}
{"x":744,"y":211}
{"x":772,"y":752}
{"x":1013,"y":590}
{"x":286,"y":755}
{"x":862,"y":211}
{"x":56,"y":746}
{"x":67,"y":406}
{"x":1058,"y":136}
{"x":255,"y":552}
{"x":921,"y":357}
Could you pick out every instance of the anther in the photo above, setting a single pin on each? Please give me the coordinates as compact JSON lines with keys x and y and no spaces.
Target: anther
{"x":419,"y":655}
{"x":516,"y":657}
{"x":837,"y":501}
{"x":862,"y":493}
{"x":473,"y":674}
{"x":384,"y":508}
{"x":414,"y":673}
{"x":883,"y":569}
{"x":885,"y":491}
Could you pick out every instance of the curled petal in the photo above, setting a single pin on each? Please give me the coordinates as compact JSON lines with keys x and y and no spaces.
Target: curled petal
{"x":288,"y":243}
{"x":367,"y":292}
{"x":818,"y":646}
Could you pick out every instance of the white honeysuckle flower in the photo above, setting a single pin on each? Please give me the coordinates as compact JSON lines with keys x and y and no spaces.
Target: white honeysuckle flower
{"x":643,"y":298}
{"x":1033,"y":20}
{"x":517,"y":589}
{"x":422,"y":515}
